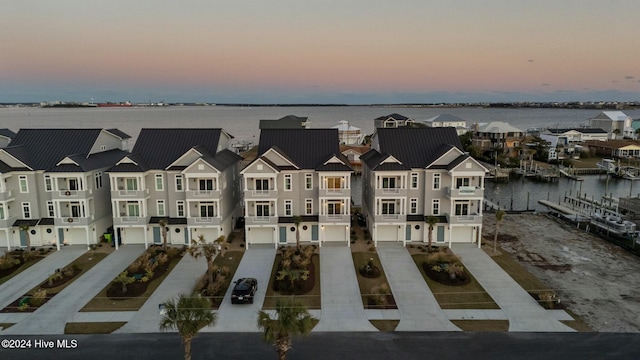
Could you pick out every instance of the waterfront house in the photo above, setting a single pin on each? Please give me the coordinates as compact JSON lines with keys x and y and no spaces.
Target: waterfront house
{"x":348,"y":134}
{"x":5,"y":137}
{"x":616,"y":123}
{"x":565,"y":143}
{"x":353,"y":153}
{"x":392,"y":121}
{"x":448,"y":120}
{"x":187,"y":178}
{"x":53,"y":186}
{"x":615,"y":148}
{"x":413,"y":173}
{"x":298,"y":174}
{"x":497,"y":136}
{"x":287,"y":122}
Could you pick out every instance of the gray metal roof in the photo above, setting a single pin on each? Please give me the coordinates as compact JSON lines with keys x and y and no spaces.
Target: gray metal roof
{"x":161,"y":147}
{"x":307,"y":148}
{"x":393,"y":116}
{"x":287,"y":122}
{"x":94,"y":161}
{"x":119,"y":133}
{"x":417,"y":147}
{"x":7,"y":133}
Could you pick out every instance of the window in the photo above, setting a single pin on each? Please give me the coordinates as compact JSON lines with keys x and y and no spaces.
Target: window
{"x":180,"y":208}
{"x":1,"y":211}
{"x":262,"y":208}
{"x":334,"y":183}
{"x":287,"y":182}
{"x":24,"y":188}
{"x":436,"y":181}
{"x":462,"y":208}
{"x":159,"y":182}
{"x":133,"y":209}
{"x":388,"y":183}
{"x":462,"y":182}
{"x":308,"y":206}
{"x":205,"y":185}
{"x":208,"y":210}
{"x":414,"y":180}
{"x":179,"y":182}
{"x":103,"y":147}
{"x":47,"y":183}
{"x":334,"y":207}
{"x":132,"y":184}
{"x":98,"y":180}
{"x":388,"y":207}
{"x":288,"y":206}
{"x":160,"y":207}
{"x":413,"y":206}
{"x":26,"y":210}
{"x":262,"y":186}
{"x":50,"y":209}
{"x":435,"y":206}
{"x":308,"y":180}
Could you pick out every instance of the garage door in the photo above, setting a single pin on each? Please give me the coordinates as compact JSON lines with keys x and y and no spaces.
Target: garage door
{"x":261,"y":235}
{"x":387,"y":232}
{"x":334,"y":233}
{"x":134,"y":235}
{"x":462,"y":234}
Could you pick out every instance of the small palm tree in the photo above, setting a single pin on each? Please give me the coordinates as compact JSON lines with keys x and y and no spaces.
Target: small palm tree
{"x":431,"y":221}
{"x":499,"y":217}
{"x":209,"y":251}
{"x":124,"y":279}
{"x":163,"y":228}
{"x":616,"y":132}
{"x":292,"y":319}
{"x":297,"y":220}
{"x":187,"y":314}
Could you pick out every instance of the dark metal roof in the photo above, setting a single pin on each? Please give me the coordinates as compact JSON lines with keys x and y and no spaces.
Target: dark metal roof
{"x":94,"y":161}
{"x":457,"y":161}
{"x":415,"y":218}
{"x":25,"y":222}
{"x":416,"y":147}
{"x":307,"y":148}
{"x":170,"y":221}
{"x":4,"y":168}
{"x":46,"y":221}
{"x":287,"y":122}
{"x":161,"y":147}
{"x":393,"y":116}
{"x":345,"y":166}
{"x":305,"y":218}
{"x":119,"y":133}
{"x":7,"y":133}
{"x":373,"y":160}
{"x":223,"y":159}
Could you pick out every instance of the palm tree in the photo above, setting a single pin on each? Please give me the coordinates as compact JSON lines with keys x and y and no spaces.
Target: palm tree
{"x":163,"y":228}
{"x":615,"y":132}
{"x":297,"y":220}
{"x":209,"y":251}
{"x":499,"y":217}
{"x":187,"y":314}
{"x":292,"y":319}
{"x":431,"y":221}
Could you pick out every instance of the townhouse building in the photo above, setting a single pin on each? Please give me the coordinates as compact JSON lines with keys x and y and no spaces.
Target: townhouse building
{"x":53,"y":185}
{"x":411,"y":174}
{"x":298,"y":174}
{"x":184,"y":178}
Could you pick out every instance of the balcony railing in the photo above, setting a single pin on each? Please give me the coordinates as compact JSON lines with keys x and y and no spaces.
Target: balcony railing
{"x":464,"y":219}
{"x":205,"y":220}
{"x":263,"y":218}
{"x":70,"y":194}
{"x":465,"y":191}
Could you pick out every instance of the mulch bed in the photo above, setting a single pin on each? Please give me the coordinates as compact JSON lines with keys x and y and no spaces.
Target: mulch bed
{"x":443,"y":277}
{"x":373,"y":273}
{"x":300,"y":287}
{"x":18,"y":255}
{"x":64,"y":280}
{"x":389,"y":303}
{"x":137,"y":288}
{"x":547,"y":305}
{"x":13,"y":307}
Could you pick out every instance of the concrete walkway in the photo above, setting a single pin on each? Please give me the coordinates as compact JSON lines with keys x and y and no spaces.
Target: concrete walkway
{"x":256,"y":263}
{"x":342,"y":308}
{"x":52,"y":316}
{"x":37,"y":273}
{"x":182,"y":279}
{"x":419,"y":310}
{"x":521,"y":309}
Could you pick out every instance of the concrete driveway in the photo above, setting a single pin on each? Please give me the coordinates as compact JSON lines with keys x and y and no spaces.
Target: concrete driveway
{"x":342,"y":308}
{"x":256,"y":263}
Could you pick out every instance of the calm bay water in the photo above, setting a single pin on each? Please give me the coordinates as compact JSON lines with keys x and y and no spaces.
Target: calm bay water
{"x":242,"y":122}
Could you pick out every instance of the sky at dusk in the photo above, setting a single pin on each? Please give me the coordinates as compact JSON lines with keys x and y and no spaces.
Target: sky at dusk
{"x":323,"y":51}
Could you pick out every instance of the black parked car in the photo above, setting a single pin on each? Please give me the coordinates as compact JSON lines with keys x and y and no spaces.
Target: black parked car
{"x":244,"y":291}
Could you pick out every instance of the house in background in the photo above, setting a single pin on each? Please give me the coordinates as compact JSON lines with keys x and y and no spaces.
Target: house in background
{"x":53,"y":184}
{"x":298,"y":172}
{"x":353,"y":153}
{"x":187,"y":177}
{"x":5,"y":137}
{"x":448,"y":120}
{"x":497,"y":136}
{"x":287,"y":122}
{"x":413,"y":173}
{"x":348,"y":134}
{"x":615,"y":148}
{"x":616,"y":123}
{"x":565,"y":143}
{"x":392,"y":121}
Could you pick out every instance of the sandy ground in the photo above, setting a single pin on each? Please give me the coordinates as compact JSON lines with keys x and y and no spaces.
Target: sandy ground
{"x":595,"y":279}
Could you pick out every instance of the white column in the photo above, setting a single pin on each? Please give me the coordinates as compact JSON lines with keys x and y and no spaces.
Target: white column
{"x":450,"y":237}
{"x":6,"y":233}
{"x":86,"y":230}
{"x":116,"y":238}
{"x":479,"y":235}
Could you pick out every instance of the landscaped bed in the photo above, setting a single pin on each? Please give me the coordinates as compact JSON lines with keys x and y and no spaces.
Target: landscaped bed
{"x":224,"y":267}
{"x":295,"y":273}
{"x":16,"y":261}
{"x":374,"y":288}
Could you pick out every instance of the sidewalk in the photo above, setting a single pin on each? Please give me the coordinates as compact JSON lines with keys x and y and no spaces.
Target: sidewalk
{"x":52,"y":317}
{"x":419,"y":310}
{"x":523,"y":312}
{"x":342,"y":308}
{"x":37,"y":273}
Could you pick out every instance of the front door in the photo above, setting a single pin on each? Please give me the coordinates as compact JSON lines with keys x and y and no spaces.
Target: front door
{"x":314,"y":232}
{"x":440,"y":234}
{"x":157,"y":239}
{"x":186,"y":236}
{"x":60,"y":236}
{"x":283,"y":234}
{"x":408,"y":232}
{"x":23,"y":237}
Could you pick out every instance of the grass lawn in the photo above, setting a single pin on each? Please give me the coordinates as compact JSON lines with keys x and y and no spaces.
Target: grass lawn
{"x":360,"y":259}
{"x":102,"y":303}
{"x":469,"y":296}
{"x":92,"y":327}
{"x":482,"y":325}
{"x":6,"y":325}
{"x":231,"y":260}
{"x":311,"y":299}
{"x":532,"y":284}
{"x":385,"y":325}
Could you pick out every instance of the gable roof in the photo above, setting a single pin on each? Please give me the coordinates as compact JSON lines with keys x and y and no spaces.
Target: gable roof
{"x":161,"y":147}
{"x":307,"y":148}
{"x":393,"y":116}
{"x":445,"y":118}
{"x":287,"y":122}
{"x":376,"y":161}
{"x":580,"y":130}
{"x":130,"y":163}
{"x":119,"y":133}
{"x":417,"y":147}
{"x":614,"y":115}
{"x":7,"y":133}
{"x":92,"y":162}
{"x":498,"y":127}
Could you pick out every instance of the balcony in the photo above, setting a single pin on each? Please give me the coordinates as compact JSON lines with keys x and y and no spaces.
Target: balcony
{"x":195,"y":221}
{"x":337,"y":192}
{"x":391,"y":191}
{"x":203,"y":194}
{"x":390,"y":218}
{"x":261,"y":220}
{"x":71,"y":194}
{"x":465,"y":192}
{"x":260,"y":194}
{"x":130,"y":220}
{"x":464,"y":219}
{"x":73,"y":221}
{"x":6,"y":195}
{"x":334,"y":218}
{"x":129,"y":194}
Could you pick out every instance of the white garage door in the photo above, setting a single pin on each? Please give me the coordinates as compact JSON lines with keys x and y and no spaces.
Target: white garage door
{"x":387,"y":232}
{"x":462,"y":234}
{"x":335,"y":233}
{"x":261,"y":235}
{"x":134,"y":235}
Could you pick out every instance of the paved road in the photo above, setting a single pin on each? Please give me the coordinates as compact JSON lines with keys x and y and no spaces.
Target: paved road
{"x":419,"y":310}
{"x":52,"y":316}
{"x":257,"y":263}
{"x":37,"y":273}
{"x":322,"y":346}
{"x":522,"y":310}
{"x":342,"y":308}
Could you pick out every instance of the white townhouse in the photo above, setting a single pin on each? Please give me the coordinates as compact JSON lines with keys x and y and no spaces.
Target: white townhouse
{"x":298,"y":173}
{"x":53,"y":185}
{"x":413,"y":173}
{"x":448,"y":120}
{"x":185,"y":177}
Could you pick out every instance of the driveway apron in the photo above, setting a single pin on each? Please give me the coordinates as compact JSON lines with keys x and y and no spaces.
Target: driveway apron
{"x":52,"y":316}
{"x":256,"y":263}
{"x":522,"y":310}
{"x":342,"y":308}
{"x":419,"y":310}
{"x":39,"y":272}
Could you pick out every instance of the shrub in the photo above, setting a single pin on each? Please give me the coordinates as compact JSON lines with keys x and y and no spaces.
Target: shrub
{"x":57,"y":275}
{"x":38,"y":297}
{"x":231,"y":237}
{"x":23,"y":306}
{"x":8,"y":261}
